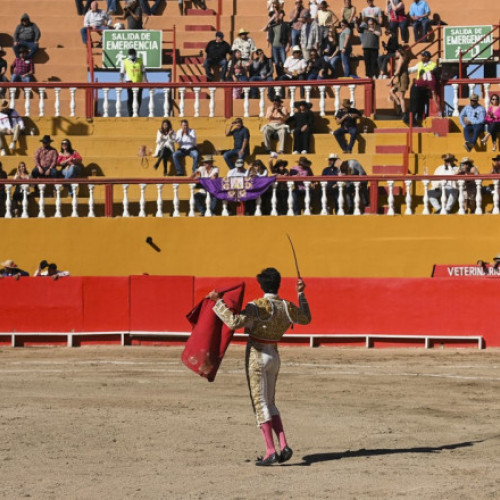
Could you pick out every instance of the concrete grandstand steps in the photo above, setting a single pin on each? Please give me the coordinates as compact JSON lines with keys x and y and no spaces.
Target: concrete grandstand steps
{"x":199,"y":27}
{"x":200,"y":12}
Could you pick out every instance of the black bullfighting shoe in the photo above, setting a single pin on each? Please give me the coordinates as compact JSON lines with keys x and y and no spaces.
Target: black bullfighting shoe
{"x":270,"y":460}
{"x":286,"y":454}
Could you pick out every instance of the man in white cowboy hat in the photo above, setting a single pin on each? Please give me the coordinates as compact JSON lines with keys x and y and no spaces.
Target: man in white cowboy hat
{"x":207,"y":170}
{"x":346,"y":117}
{"x":239,"y":169}
{"x":245,"y":45}
{"x":450,"y":187}
{"x":45,"y":160}
{"x":10,"y":124}
{"x":10,"y":269}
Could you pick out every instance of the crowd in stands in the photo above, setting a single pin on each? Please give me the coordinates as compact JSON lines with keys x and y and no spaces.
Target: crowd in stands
{"x":10,"y":269}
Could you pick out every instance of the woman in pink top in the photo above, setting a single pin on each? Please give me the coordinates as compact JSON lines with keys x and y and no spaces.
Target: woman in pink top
{"x":492,"y":121}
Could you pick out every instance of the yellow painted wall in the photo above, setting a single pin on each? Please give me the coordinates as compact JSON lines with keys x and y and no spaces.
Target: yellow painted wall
{"x":365,"y":246}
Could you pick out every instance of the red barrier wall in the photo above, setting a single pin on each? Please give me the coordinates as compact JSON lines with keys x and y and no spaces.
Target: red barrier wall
{"x":445,"y":306}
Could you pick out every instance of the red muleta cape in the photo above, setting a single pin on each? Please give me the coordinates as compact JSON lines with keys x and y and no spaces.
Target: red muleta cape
{"x":210,"y":337}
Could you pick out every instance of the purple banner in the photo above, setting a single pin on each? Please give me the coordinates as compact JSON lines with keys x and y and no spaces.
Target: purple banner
{"x":237,"y":188}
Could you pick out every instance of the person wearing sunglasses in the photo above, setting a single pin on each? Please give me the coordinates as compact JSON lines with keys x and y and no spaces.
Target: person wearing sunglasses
{"x":492,"y":121}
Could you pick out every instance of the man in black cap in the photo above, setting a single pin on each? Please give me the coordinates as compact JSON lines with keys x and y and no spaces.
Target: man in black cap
{"x":45,"y":160}
{"x":419,"y":92}
{"x":217,"y":52}
{"x":27,"y":35}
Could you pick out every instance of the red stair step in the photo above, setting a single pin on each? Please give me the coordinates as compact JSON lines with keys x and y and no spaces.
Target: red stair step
{"x":194,"y":45}
{"x":200,"y":12}
{"x":388,"y":169}
{"x":193,"y":60}
{"x":416,"y":130}
{"x":199,"y":27}
{"x":390,"y":149}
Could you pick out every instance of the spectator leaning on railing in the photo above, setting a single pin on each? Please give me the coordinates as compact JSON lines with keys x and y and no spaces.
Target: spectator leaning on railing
{"x":9,"y":268}
{"x":50,"y":270}
{"x":27,"y":35}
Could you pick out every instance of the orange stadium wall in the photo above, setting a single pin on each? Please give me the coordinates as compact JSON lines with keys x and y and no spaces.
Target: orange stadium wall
{"x":393,"y":306}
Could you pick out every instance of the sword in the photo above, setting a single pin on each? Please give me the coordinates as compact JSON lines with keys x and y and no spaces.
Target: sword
{"x":294,"y":256}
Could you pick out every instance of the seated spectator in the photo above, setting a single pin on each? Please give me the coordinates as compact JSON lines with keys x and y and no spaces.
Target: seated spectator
{"x":9,"y":268}
{"x":205,"y":171}
{"x":165,"y":145}
{"x":241,"y":142}
{"x":22,"y":173}
{"x":295,"y":19}
{"x":23,"y":69}
{"x":279,"y":169}
{"x":3,"y":74}
{"x":132,"y":13}
{"x":346,"y":117}
{"x":237,"y":72}
{"x":390,"y":48}
{"x":472,"y":118}
{"x":317,"y":68}
{"x":370,"y":41}
{"x":424,"y":84}
{"x":495,"y":169}
{"x":258,"y":169}
{"x":45,"y":160}
{"x":303,"y":127}
{"x":71,"y":163}
{"x":261,"y":70}
{"x":95,"y":19}
{"x":46,"y":269}
{"x":277,"y":116}
{"x":348,"y":13}
{"x":27,"y":35}
{"x":397,"y":18}
{"x":492,"y":121}
{"x":217,"y":52}
{"x":332,"y":190}
{"x":186,"y":140}
{"x":245,"y":45}
{"x":302,"y":169}
{"x":10,"y":124}
{"x":309,"y":35}
{"x":151,"y":11}
{"x":239,"y":169}
{"x":373,"y":12}
{"x":278,"y":37}
{"x":450,"y":187}
{"x":326,"y":20}
{"x":295,"y":66}
{"x":353,"y":167}
{"x":419,"y":14}
{"x":467,"y":167}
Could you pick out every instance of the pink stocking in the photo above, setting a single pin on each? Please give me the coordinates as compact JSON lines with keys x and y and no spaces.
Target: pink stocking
{"x":278,"y":429}
{"x":267,"y":432}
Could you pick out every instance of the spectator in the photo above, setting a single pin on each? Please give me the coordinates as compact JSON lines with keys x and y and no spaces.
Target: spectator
{"x":373,"y":12}
{"x":472,"y":118}
{"x":3,"y":74}
{"x":279,"y":169}
{"x":303,"y":128}
{"x":317,"y":68}
{"x":3,"y":176}
{"x":344,"y":49}
{"x":422,"y":86}
{"x":95,"y":19}
{"x":302,"y":169}
{"x":217,"y":52}
{"x":400,"y":81}
{"x":390,"y":48}
{"x":151,"y":11}
{"x":261,"y":70}
{"x":276,"y":9}
{"x":237,"y":72}
{"x":495,"y":170}
{"x":239,"y":169}
{"x":277,"y":116}
{"x":241,"y":142}
{"x":278,"y":37}
{"x":82,"y":9}
{"x":370,"y":41}
{"x":313,"y":8}
{"x":245,"y":45}
{"x":22,"y":173}
{"x":186,"y":139}
{"x":27,"y":35}
{"x":70,"y":161}
{"x":206,"y":171}
{"x":9,"y":268}
{"x":332,"y":190}
{"x":132,"y":13}
{"x":165,"y":145}
{"x":326,"y":20}
{"x":295,"y":66}
{"x":258,"y":169}
{"x":397,"y":18}
{"x":348,"y":13}
{"x":346,"y":117}
{"x":331,"y":49}
{"x":492,"y":122}
{"x":353,"y":167}
{"x":450,"y":187}
{"x":10,"y":124}
{"x":309,"y":35}
{"x":296,"y":17}
{"x":45,"y":160}
{"x":132,"y":71}
{"x":467,"y":167}
{"x":419,"y":14}
{"x":46,"y":269}
{"x":23,"y":69}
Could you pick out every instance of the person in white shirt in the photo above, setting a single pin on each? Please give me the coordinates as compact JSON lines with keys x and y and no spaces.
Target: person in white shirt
{"x":239,"y":169}
{"x":372,"y":11}
{"x":245,"y":45}
{"x":450,"y":188}
{"x":295,"y":66}
{"x":10,"y":124}
{"x":95,"y":18}
{"x":206,"y":171}
{"x":46,"y":269}
{"x":186,"y":140}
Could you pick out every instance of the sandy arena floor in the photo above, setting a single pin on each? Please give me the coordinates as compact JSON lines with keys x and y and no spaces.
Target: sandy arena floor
{"x":115,"y":423}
